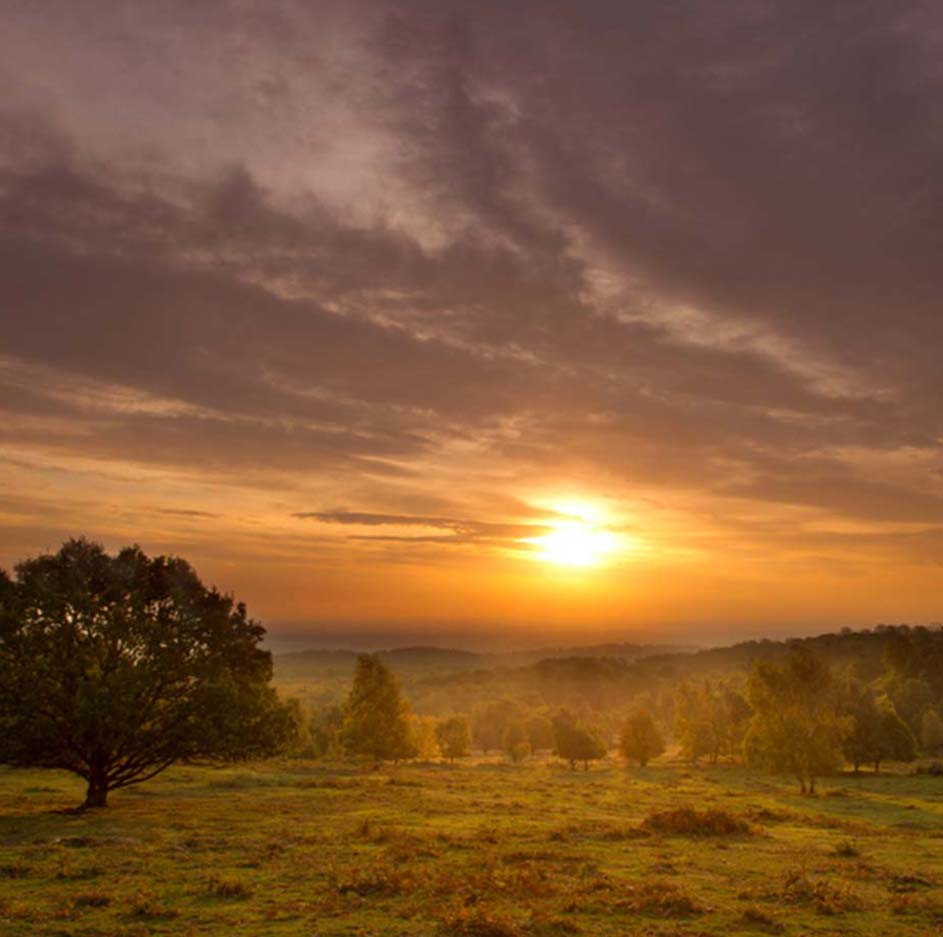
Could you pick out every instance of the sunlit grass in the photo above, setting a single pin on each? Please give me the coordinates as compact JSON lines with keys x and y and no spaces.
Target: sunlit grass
{"x":298,"y":848}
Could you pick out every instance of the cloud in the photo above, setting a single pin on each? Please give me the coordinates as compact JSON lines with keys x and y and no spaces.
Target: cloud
{"x":452,"y":260}
{"x":461,"y":531}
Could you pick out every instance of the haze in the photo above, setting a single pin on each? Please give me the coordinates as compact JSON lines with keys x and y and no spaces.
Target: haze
{"x":530,"y":320}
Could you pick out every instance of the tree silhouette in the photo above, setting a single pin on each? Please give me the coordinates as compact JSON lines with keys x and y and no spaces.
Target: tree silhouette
{"x":115,"y":667}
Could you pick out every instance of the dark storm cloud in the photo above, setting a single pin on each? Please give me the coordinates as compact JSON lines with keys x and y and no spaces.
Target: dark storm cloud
{"x":689,"y":244}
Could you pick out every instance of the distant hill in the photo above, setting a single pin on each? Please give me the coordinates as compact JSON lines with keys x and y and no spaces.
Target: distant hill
{"x":602,"y":677}
{"x":422,"y":660}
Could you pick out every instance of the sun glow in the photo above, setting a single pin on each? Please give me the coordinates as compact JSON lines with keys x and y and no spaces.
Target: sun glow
{"x":575,"y":543}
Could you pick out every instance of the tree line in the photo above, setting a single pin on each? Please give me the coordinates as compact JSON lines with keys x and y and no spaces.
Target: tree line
{"x":794,"y":716}
{"x":115,"y":667}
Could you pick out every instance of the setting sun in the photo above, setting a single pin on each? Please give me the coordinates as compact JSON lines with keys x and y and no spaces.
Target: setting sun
{"x":575,"y":543}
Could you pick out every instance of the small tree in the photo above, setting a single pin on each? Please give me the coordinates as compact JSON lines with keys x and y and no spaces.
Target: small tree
{"x":454,"y":737}
{"x":514,"y":742}
{"x":376,"y":717}
{"x":539,"y":733}
{"x":796,"y":727}
{"x":897,"y":741}
{"x":710,"y":720}
{"x":575,"y":742}
{"x":931,"y":732}
{"x":115,"y":667}
{"x":862,"y":743}
{"x":324,"y":728}
{"x":640,"y":738}
{"x":490,"y":722}
{"x":425,"y":739}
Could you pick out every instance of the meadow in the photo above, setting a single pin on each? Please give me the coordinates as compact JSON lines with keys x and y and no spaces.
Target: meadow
{"x":481,"y":848}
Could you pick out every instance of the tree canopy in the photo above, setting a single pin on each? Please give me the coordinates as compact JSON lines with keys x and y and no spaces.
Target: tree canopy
{"x":796,"y":727}
{"x":454,"y":737}
{"x":115,"y":667}
{"x":640,"y":738}
{"x":376,"y":717}
{"x":575,"y":742}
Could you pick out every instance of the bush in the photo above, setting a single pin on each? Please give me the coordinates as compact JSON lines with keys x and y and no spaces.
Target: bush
{"x":659,"y":898}
{"x":686,"y":821}
{"x":228,"y":888}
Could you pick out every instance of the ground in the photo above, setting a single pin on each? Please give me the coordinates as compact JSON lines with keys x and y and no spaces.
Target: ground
{"x":483,"y":849}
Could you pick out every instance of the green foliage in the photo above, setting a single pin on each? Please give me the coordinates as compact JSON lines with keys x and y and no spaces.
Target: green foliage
{"x":514,"y":742}
{"x":425,"y":739}
{"x":490,"y":722}
{"x":640,"y":739}
{"x":710,"y":720}
{"x":795,"y":728}
{"x":897,"y":741}
{"x":115,"y":667}
{"x":931,"y":732}
{"x":575,"y":742}
{"x":539,"y":733}
{"x":376,"y":717}
{"x":324,"y":728}
{"x":911,"y":697}
{"x":876,"y":733}
{"x":454,"y":737}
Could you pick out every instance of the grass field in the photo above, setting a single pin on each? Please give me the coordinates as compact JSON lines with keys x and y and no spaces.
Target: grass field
{"x":479,"y":849}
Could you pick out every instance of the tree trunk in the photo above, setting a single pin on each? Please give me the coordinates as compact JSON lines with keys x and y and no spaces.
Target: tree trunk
{"x":811,"y":785}
{"x":877,"y":767}
{"x":802,"y":783}
{"x":96,"y":795}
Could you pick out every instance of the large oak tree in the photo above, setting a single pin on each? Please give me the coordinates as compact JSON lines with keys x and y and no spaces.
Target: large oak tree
{"x":115,"y":667}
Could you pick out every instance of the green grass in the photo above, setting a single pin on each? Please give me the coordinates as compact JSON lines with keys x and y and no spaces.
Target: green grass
{"x":479,"y":849}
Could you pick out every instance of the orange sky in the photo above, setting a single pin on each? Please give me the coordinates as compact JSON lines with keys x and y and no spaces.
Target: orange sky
{"x":353,"y":305}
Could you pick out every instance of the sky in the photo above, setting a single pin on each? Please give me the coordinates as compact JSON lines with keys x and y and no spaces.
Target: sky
{"x":445,"y":320}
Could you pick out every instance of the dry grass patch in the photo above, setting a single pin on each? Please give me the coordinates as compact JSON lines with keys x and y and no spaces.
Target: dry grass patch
{"x":478,"y":922}
{"x":686,"y":821}
{"x":823,"y":895}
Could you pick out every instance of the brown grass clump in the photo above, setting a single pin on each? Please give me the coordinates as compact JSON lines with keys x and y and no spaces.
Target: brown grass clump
{"x":92,"y":899}
{"x":145,"y":905}
{"x":381,"y":880}
{"x":228,"y":888}
{"x":907,"y":883}
{"x":827,"y":898}
{"x":846,"y":849}
{"x":658,"y":898}
{"x":686,"y":821}
{"x":755,"y":917}
{"x":903,"y":904}
{"x":478,"y":922}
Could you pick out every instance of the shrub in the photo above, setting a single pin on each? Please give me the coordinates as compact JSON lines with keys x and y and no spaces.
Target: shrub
{"x":686,"y":821}
{"x":659,"y":898}
{"x":846,"y":849}
{"x":827,"y":898}
{"x":228,"y":888}
{"x":754,"y":916}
